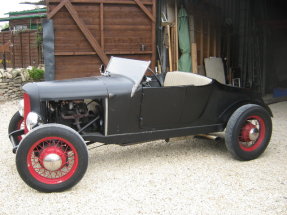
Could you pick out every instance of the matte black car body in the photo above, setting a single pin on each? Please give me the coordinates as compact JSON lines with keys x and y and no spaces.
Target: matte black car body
{"x":153,"y":112}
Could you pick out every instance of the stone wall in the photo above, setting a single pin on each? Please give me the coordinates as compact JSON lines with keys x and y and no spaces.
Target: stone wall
{"x":11,"y":88}
{"x":12,"y":80}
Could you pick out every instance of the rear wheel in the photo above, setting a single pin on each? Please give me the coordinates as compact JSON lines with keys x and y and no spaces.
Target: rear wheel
{"x":248,"y":132}
{"x":52,"y":158}
{"x":16,"y":123}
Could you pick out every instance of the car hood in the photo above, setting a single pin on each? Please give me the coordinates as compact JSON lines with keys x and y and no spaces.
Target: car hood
{"x":80,"y":88}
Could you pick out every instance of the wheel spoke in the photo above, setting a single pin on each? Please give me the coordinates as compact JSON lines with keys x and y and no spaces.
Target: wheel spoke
{"x":55,"y":147}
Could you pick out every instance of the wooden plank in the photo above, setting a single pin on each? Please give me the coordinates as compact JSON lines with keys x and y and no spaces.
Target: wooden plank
{"x":145,"y":10}
{"x":194,"y":58}
{"x":94,"y":43}
{"x":153,"y":36}
{"x":192,"y":29}
{"x":107,"y":27}
{"x":13,"y":48}
{"x":176,"y":36}
{"x":123,"y":2}
{"x":57,"y":9}
{"x":215,"y":42}
{"x":129,"y":52}
{"x":29,"y":47}
{"x":21,"y":48}
{"x":69,"y":66}
{"x":61,"y":53}
{"x":208,"y":40}
{"x":201,"y":41}
{"x":169,"y":49}
{"x":102,"y":25}
{"x":172,"y":42}
{"x":109,"y":52}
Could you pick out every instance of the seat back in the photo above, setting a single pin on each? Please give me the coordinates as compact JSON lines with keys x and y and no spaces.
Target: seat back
{"x":184,"y":78}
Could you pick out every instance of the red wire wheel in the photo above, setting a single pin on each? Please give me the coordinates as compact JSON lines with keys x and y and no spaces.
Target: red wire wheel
{"x":52,"y":158}
{"x":248,"y":132}
{"x":252,"y":133}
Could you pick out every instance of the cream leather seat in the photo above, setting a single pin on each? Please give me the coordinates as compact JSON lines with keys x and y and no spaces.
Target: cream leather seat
{"x":185,"y":78}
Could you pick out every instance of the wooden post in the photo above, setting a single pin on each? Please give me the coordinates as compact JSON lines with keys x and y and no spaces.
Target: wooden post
{"x":208,"y":40}
{"x":3,"y":52}
{"x":153,"y":35}
{"x":191,"y":29}
{"x":13,"y":49}
{"x":21,"y":50}
{"x":194,"y":58}
{"x":176,"y":35}
{"x":193,"y":47}
{"x":172,"y":44}
{"x":201,"y":41}
{"x":169,"y":49}
{"x":29,"y":48}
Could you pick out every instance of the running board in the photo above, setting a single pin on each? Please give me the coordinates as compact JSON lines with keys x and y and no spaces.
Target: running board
{"x":131,"y":138}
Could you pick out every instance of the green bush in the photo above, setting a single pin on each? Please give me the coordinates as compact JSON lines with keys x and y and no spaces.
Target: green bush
{"x":36,"y":74}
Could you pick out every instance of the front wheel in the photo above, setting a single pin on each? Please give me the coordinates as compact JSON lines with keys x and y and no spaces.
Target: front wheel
{"x":248,"y":132}
{"x":52,"y":158}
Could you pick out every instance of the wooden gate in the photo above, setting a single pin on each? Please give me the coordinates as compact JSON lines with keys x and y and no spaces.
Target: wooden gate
{"x":26,"y":49}
{"x":88,"y":32}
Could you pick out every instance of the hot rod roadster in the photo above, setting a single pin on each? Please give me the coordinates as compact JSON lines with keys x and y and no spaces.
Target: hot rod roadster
{"x":58,"y":119}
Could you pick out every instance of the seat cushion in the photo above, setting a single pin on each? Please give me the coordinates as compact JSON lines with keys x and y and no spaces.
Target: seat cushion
{"x":183,"y":78}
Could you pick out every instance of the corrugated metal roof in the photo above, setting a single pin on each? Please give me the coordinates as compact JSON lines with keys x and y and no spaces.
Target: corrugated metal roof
{"x":39,"y":15}
{"x":38,"y":10}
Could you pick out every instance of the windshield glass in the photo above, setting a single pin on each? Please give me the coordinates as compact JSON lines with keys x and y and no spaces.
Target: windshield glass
{"x":133,"y":69}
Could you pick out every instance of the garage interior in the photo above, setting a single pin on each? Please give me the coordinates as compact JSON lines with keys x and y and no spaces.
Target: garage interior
{"x":244,"y":39}
{"x":241,"y":43}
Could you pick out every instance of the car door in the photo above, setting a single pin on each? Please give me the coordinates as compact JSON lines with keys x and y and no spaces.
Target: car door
{"x":173,"y":107}
{"x":162,"y":107}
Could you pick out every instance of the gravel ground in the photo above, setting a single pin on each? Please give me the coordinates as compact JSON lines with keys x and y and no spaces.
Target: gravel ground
{"x":184,"y":176}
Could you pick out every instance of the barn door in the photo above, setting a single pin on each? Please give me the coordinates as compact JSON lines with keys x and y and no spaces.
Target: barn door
{"x":88,"y":32}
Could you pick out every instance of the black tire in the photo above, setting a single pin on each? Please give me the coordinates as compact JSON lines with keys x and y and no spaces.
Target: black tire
{"x":245,"y":121}
{"x":15,"y":124}
{"x":40,"y":143}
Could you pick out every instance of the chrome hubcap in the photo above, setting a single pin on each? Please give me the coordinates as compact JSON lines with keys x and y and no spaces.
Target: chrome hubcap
{"x":254,"y":134}
{"x":52,"y":162}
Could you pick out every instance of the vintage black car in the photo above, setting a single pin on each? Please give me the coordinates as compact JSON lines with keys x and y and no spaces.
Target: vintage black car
{"x":123,"y":106}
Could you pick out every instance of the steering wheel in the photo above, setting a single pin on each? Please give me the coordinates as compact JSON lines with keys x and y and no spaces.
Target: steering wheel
{"x":154,"y":75}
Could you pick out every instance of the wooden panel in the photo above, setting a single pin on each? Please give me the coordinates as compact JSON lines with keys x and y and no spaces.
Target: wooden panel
{"x":25,"y":51}
{"x":108,"y":23}
{"x":207,"y":35}
{"x":70,"y":66}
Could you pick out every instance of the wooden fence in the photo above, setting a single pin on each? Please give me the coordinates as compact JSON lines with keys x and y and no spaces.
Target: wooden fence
{"x":26,"y":49}
{"x":88,"y":32}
